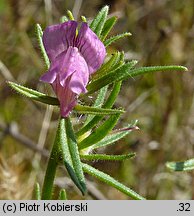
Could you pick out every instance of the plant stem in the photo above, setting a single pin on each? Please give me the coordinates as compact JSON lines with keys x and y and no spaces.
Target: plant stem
{"x":51,"y":170}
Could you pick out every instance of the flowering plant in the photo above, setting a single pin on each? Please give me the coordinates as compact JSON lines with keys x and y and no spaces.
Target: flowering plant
{"x":78,"y":66}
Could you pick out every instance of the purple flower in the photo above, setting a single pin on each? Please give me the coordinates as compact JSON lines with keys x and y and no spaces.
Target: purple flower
{"x":73,"y":56}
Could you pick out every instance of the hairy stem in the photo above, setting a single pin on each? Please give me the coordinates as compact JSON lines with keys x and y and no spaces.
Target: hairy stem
{"x":51,"y":170}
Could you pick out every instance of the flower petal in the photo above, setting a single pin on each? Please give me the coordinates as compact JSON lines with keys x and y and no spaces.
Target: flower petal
{"x":56,"y":67}
{"x":48,"y":77}
{"x":67,"y":98}
{"x":91,"y":48}
{"x":77,"y":84}
{"x":57,"y":38}
{"x":74,"y":66}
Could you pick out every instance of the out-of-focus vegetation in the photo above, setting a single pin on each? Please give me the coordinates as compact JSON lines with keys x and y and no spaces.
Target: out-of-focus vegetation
{"x":162,"y":34}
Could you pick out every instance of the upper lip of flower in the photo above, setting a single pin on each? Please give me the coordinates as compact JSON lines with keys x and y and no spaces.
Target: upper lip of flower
{"x":58,"y":38}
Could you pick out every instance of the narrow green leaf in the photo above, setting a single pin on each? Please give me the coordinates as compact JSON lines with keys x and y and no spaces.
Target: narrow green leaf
{"x":62,"y":195}
{"x":111,"y":181}
{"x":96,"y":111}
{"x":115,"y":76}
{"x":99,"y":21}
{"x":113,"y":137}
{"x":107,"y":27}
{"x":112,"y":39}
{"x":151,"y":69}
{"x":70,"y":15}
{"x":100,"y":132}
{"x":63,"y":19}
{"x":113,"y":59}
{"x":69,"y":152}
{"x":125,"y":72}
{"x":38,"y":96}
{"x":101,"y":96}
{"x":37,"y":192}
{"x":43,"y":51}
{"x":113,"y":95}
{"x":120,"y":61}
{"x":107,"y":157}
{"x":108,"y":104}
{"x":32,"y":94}
{"x":181,"y":166}
{"x":98,"y":102}
{"x":113,"y":63}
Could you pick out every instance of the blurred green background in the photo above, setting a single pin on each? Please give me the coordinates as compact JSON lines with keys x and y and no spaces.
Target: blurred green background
{"x":162,"y":34}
